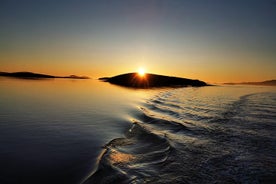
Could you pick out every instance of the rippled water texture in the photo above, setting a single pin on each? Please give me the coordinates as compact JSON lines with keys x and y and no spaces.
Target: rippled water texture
{"x":86,"y":131}
{"x":196,"y":135}
{"x":52,"y":131}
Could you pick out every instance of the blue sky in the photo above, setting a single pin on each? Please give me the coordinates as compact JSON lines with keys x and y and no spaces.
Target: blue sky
{"x":215,"y":40}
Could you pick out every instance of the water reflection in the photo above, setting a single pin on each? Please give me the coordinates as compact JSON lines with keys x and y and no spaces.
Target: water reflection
{"x":52,"y":131}
{"x":61,"y":124}
{"x":118,"y":157}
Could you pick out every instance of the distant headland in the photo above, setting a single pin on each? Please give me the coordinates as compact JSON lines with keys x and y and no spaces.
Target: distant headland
{"x":263,"y":83}
{"x":135,"y":80}
{"x":31,"y":75}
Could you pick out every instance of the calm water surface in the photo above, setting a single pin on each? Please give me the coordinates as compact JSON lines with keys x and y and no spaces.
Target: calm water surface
{"x":86,"y":131}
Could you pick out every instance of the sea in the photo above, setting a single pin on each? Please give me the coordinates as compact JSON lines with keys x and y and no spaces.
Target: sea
{"x":65,"y":131}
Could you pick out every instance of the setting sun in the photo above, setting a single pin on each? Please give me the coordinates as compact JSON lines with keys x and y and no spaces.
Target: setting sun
{"x":141,"y":72}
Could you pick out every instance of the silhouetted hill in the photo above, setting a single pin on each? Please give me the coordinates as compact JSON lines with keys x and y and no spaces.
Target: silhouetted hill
{"x":151,"y":80}
{"x":75,"y":77}
{"x":30,"y":75}
{"x":263,"y":83}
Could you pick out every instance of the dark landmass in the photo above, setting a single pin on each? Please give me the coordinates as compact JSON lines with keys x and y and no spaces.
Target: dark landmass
{"x":104,"y":78}
{"x":75,"y":77}
{"x":263,"y":83}
{"x":134,"y":80}
{"x":30,"y":75}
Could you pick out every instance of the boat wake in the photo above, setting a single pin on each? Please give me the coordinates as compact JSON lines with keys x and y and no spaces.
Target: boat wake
{"x":176,"y":139}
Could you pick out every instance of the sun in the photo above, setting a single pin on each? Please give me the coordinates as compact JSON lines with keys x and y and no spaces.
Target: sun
{"x":141,"y":72}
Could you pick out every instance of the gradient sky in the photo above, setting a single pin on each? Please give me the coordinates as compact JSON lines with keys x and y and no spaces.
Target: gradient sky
{"x":211,"y":40}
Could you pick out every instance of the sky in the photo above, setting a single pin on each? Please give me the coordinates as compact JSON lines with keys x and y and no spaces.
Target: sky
{"x":211,"y":40}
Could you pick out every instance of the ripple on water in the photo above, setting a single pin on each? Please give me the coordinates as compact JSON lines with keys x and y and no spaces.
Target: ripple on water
{"x":195,"y":140}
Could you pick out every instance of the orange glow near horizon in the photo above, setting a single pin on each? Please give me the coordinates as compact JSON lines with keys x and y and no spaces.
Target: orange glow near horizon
{"x":210,"y":75}
{"x":214,"y":72}
{"x":100,"y":40}
{"x":141,"y":72}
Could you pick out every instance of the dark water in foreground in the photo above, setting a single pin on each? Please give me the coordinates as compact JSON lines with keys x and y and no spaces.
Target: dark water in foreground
{"x":85,"y":131}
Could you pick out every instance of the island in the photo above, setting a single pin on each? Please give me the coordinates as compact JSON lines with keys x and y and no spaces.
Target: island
{"x":31,"y":75}
{"x":135,"y":80}
{"x":263,"y":83}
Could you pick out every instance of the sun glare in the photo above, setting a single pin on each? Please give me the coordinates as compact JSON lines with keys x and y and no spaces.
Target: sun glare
{"x":141,"y":72}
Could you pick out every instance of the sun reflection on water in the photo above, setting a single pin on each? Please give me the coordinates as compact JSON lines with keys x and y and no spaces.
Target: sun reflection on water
{"x":118,"y":157}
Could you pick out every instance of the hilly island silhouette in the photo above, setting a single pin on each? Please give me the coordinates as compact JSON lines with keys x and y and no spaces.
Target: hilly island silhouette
{"x":135,"y":80}
{"x":262,"y":83}
{"x":31,"y":75}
